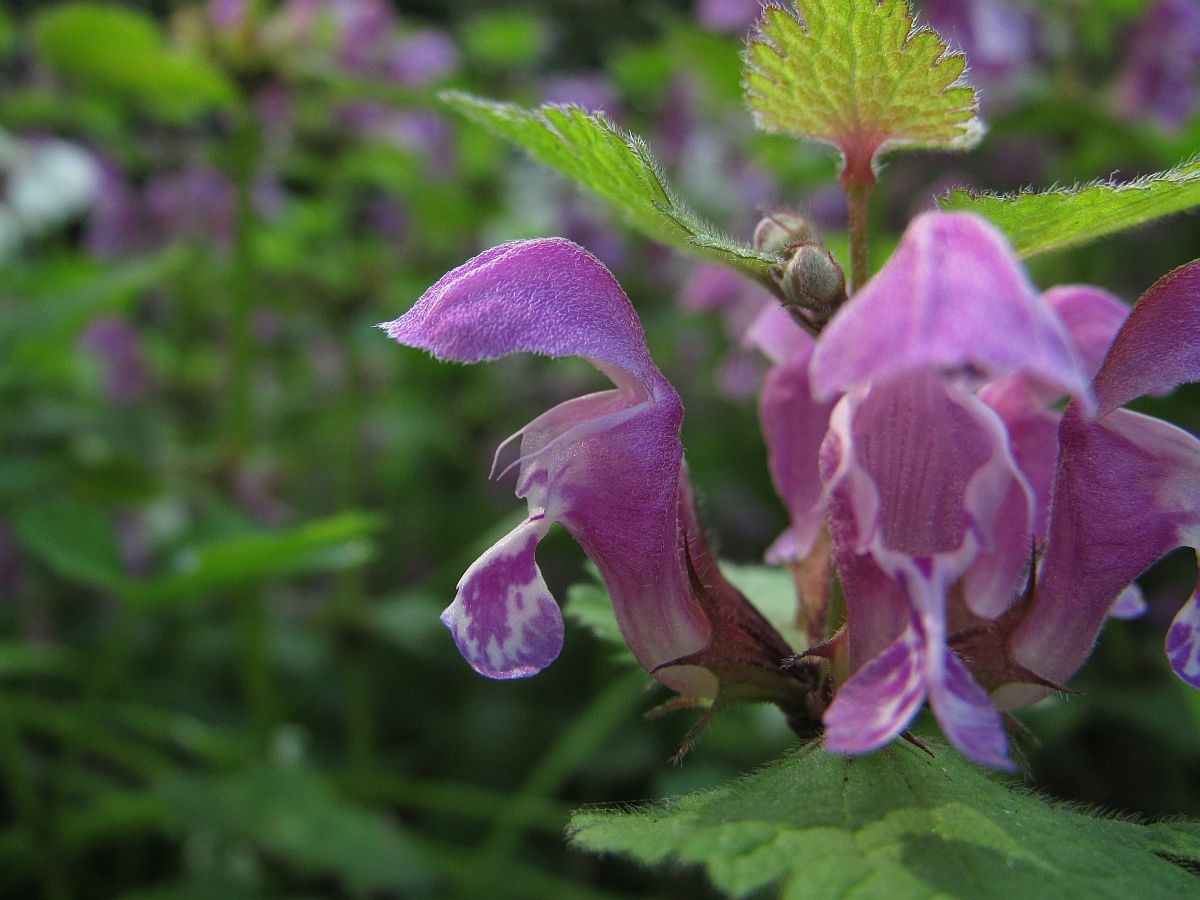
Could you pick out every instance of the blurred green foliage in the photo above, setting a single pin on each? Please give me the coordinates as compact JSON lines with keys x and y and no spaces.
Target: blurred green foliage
{"x":231,"y":510}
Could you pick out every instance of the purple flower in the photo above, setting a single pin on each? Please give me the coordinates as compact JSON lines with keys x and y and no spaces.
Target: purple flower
{"x":1127,"y":491}
{"x":880,"y":431}
{"x":733,"y":16}
{"x":197,"y":204}
{"x":607,"y":466}
{"x":1161,"y":70}
{"x":116,"y":343}
{"x":591,"y":92}
{"x":421,"y":57}
{"x":998,"y":37}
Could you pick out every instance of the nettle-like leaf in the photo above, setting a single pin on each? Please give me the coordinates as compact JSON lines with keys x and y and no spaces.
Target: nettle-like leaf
{"x":1058,"y":219}
{"x":859,"y":75}
{"x":616,"y":165}
{"x":897,"y":824}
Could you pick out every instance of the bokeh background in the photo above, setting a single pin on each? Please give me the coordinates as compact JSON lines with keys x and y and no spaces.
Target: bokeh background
{"x":231,"y":510}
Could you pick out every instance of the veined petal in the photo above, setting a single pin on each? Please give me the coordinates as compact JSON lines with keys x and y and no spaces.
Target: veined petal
{"x":1183,"y":642}
{"x":966,"y":713}
{"x":504,"y":620}
{"x":1127,"y":492}
{"x":546,"y":296}
{"x":880,"y":699}
{"x":794,"y":426}
{"x":953,"y":298}
{"x":1032,"y":438}
{"x":1159,"y":345}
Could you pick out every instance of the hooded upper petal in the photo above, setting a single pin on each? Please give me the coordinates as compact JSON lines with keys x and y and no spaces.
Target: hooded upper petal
{"x":1158,"y":348}
{"x":546,"y":296}
{"x":607,"y":465}
{"x":1127,"y":492}
{"x":953,"y":298}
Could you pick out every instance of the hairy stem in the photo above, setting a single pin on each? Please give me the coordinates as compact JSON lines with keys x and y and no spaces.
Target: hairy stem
{"x":858,"y":195}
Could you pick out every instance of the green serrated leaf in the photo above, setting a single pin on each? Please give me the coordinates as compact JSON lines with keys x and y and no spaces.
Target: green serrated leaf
{"x":1058,"y":219}
{"x":897,"y":824}
{"x":618,"y":166}
{"x":857,"y":74}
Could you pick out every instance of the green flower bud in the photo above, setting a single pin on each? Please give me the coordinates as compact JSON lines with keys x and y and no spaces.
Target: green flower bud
{"x":782,"y":228}
{"x":812,"y":279}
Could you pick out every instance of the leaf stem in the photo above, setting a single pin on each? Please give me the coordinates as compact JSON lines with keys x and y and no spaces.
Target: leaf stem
{"x":858,"y":195}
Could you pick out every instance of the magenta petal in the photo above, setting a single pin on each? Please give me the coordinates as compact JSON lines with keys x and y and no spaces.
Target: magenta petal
{"x":607,"y":466}
{"x":879,"y":700}
{"x":777,"y":335}
{"x":504,"y":620}
{"x":952,"y":298}
{"x":967,"y":715}
{"x":545,"y":296}
{"x":1127,"y":492}
{"x":1159,"y":345}
{"x":1092,"y":316}
{"x":1032,"y":438}
{"x":1183,"y":642}
{"x":794,"y":426}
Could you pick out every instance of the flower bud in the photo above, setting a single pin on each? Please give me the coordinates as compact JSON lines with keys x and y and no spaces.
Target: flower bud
{"x":782,"y":228}
{"x":812,"y":279}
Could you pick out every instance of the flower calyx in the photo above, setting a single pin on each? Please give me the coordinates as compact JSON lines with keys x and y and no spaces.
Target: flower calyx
{"x":749,"y":658}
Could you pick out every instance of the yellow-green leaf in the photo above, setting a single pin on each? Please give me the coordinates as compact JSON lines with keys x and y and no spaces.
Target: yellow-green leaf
{"x":617,"y":166}
{"x":1058,"y":219}
{"x":859,"y":75}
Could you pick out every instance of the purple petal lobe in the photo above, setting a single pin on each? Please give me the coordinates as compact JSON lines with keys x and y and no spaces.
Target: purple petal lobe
{"x":967,"y":715}
{"x":952,"y":298}
{"x":794,"y":426}
{"x":546,"y":296}
{"x":504,"y":620}
{"x":1127,"y":492}
{"x":879,"y":700}
{"x":1159,"y":345}
{"x":1183,"y":642}
{"x":1092,"y":316}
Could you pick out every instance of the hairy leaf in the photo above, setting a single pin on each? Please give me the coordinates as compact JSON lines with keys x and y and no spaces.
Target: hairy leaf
{"x":1058,"y":219}
{"x":896,"y":824}
{"x":857,"y":74}
{"x":618,"y":166}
